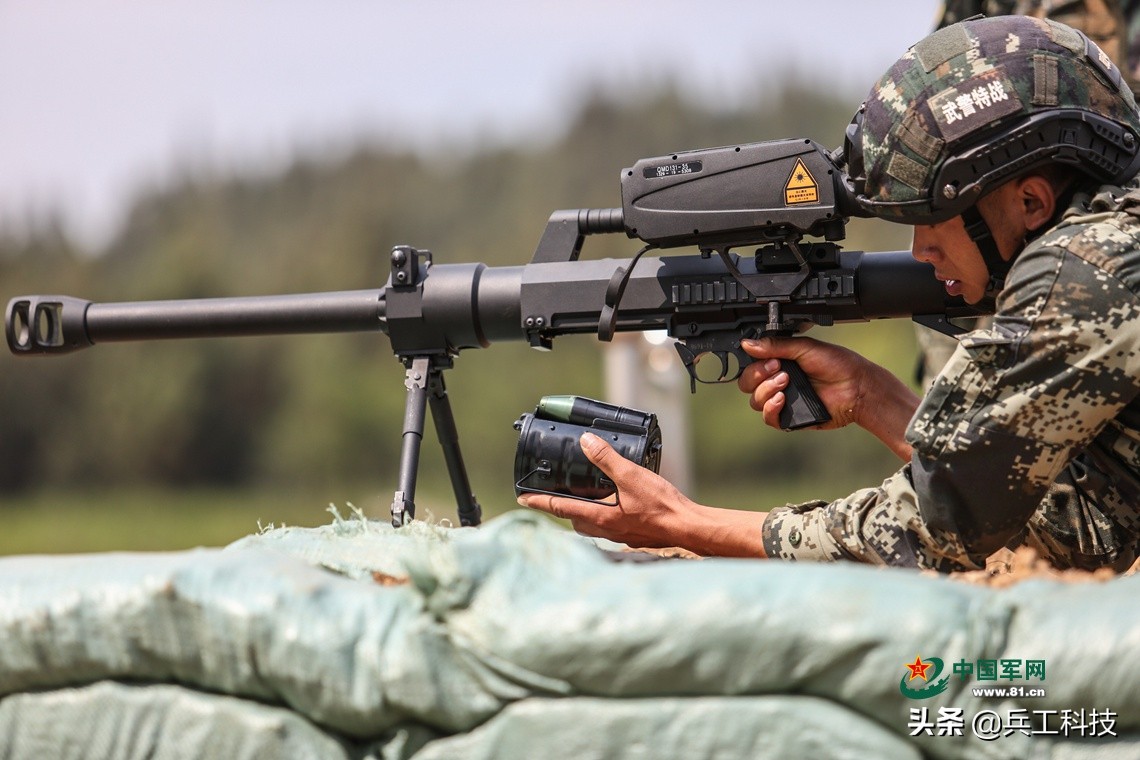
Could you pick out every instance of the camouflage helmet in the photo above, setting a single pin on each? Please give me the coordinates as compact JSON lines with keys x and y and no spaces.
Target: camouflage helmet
{"x":980,"y":102}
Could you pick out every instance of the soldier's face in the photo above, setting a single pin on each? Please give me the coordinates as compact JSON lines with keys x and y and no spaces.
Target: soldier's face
{"x":955,"y":257}
{"x":954,"y":254}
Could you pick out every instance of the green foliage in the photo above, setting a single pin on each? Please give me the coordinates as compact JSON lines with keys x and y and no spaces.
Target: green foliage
{"x":318,"y":411}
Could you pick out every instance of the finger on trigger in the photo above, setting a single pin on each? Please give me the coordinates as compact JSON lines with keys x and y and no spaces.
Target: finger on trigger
{"x":759,"y":348}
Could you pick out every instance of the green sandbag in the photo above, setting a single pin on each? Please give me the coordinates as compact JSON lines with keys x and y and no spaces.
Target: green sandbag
{"x":674,"y":728}
{"x":354,"y":657}
{"x":520,"y":609}
{"x":117,"y":721}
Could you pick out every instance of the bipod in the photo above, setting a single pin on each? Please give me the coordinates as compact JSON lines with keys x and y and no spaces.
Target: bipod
{"x":423,"y":379}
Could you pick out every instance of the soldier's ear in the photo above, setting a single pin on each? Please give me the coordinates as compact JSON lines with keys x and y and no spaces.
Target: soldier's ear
{"x":1037,"y":200}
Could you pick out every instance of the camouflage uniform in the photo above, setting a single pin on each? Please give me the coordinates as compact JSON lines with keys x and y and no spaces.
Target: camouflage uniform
{"x":1114,"y":27}
{"x":1043,"y":404}
{"x":1031,"y":433}
{"x":1105,"y":22}
{"x":1131,"y":9}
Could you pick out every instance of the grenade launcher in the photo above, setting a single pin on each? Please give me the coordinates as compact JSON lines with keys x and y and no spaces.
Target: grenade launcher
{"x":747,"y":209}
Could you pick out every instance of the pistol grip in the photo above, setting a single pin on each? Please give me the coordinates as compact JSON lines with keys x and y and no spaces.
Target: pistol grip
{"x":802,"y":407}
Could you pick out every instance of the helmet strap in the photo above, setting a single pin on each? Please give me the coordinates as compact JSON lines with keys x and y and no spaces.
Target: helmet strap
{"x":980,"y":233}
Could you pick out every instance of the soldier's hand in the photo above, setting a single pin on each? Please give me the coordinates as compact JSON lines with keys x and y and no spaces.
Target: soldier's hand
{"x":838,"y":375}
{"x":651,"y":512}
{"x":853,"y":389}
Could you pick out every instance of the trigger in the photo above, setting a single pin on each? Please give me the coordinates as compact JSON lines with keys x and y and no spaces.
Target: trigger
{"x":723,"y":356}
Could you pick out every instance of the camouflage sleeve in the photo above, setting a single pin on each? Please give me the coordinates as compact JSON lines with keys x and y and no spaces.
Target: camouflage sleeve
{"x":1013,"y":408}
{"x":1114,"y":25}
{"x":1017,"y":402}
{"x":878,"y":526}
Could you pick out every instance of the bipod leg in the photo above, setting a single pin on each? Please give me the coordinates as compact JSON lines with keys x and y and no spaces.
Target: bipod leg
{"x":470,"y":513}
{"x":416,"y":381}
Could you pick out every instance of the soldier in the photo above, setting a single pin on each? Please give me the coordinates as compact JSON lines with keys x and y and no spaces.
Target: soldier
{"x":1011,"y":144}
{"x":1105,"y":22}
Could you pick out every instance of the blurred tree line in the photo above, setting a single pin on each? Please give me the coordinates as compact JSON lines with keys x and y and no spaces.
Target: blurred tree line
{"x":321,"y":410}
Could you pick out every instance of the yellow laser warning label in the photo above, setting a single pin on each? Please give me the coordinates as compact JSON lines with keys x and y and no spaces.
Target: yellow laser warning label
{"x":801,"y":186}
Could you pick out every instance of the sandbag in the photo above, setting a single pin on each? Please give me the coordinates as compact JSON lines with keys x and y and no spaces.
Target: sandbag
{"x":362,"y":629}
{"x":117,"y":721}
{"x":674,"y":728}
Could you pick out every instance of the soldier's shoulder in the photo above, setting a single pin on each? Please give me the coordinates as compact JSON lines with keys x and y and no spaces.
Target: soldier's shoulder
{"x":1101,"y":227}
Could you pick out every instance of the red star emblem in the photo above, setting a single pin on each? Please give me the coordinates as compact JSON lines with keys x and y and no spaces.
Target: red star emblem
{"x":918,"y":668}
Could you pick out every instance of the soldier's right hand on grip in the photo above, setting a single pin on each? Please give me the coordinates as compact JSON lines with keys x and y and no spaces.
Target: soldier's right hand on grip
{"x":802,"y":406}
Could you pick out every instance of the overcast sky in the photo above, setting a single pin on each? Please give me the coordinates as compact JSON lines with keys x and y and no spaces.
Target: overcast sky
{"x":101,"y":97}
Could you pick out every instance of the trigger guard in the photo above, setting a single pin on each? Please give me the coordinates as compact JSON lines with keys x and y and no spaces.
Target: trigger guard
{"x":689,"y":358}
